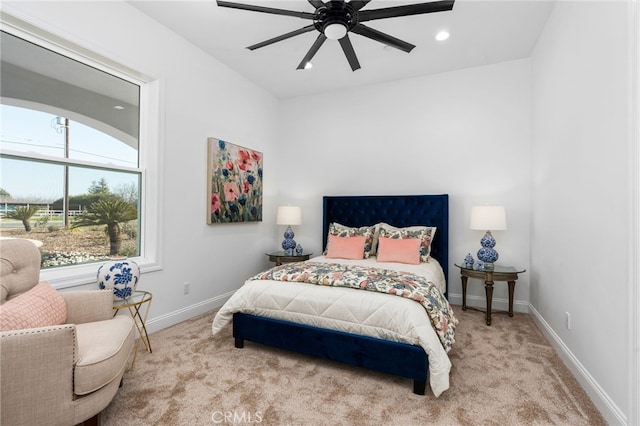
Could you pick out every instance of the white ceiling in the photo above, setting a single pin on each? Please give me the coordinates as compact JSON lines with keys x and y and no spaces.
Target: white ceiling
{"x":482,"y":32}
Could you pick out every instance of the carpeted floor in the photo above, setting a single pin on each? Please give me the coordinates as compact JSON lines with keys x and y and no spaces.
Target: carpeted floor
{"x":505,"y":374}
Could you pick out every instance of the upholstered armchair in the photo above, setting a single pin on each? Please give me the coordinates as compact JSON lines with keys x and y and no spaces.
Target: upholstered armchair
{"x":67,"y":366}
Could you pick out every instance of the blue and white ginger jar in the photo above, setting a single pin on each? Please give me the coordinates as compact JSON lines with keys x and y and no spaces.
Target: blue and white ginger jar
{"x":468,"y":261}
{"x":121,"y":275}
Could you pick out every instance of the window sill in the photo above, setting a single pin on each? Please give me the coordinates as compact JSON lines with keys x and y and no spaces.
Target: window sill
{"x":80,"y":275}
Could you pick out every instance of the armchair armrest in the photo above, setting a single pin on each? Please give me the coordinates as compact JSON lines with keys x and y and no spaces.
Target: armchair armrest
{"x":37,"y":367}
{"x":88,"y":306}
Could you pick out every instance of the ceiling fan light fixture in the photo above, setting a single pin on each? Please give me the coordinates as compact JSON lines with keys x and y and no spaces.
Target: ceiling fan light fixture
{"x":335,"y":31}
{"x":308,"y":65}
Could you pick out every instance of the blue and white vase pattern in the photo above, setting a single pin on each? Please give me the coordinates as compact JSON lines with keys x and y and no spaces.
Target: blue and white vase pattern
{"x":288,"y":233}
{"x":120,"y":275}
{"x":487,"y":253}
{"x":299,"y":250}
{"x":488,"y":240}
{"x":288,"y":244}
{"x":468,"y":261}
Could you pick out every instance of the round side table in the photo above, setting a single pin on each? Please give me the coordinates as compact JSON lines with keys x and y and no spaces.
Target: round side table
{"x":498,"y":273}
{"x":279,"y":257}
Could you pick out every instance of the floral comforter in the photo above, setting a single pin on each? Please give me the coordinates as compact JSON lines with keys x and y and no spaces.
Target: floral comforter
{"x":365,"y":313}
{"x":397,"y":283}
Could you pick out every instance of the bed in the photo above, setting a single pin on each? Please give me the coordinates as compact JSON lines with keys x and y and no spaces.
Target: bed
{"x":412,"y":351}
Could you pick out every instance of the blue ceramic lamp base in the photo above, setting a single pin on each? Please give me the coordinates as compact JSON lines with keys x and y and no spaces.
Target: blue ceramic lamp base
{"x":487,"y":253}
{"x":288,"y":244}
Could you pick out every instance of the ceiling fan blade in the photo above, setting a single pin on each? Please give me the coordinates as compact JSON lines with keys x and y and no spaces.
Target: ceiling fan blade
{"x":282,"y":37}
{"x":304,"y":15}
{"x":314,"y":48}
{"x":382,"y":38}
{"x":358,"y":4}
{"x":411,"y":9}
{"x":316,"y":3}
{"x":347,"y":48}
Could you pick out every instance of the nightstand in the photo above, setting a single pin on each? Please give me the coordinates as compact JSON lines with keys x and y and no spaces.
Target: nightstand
{"x":498,"y":273}
{"x":280,"y":257}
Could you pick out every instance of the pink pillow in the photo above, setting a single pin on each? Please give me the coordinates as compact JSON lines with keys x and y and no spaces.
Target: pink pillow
{"x":346,"y":247}
{"x":39,"y":307}
{"x":401,"y":250}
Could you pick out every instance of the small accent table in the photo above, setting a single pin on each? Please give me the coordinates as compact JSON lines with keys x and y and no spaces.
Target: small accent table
{"x":134,"y":303}
{"x":280,"y":257}
{"x":498,"y":273}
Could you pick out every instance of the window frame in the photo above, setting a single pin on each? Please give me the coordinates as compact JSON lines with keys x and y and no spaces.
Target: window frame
{"x":149,"y":151}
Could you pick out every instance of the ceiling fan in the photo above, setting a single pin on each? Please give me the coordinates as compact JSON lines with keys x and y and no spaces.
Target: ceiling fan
{"x":335,"y":19}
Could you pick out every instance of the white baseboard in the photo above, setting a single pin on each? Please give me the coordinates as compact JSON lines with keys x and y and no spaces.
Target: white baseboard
{"x":607,"y":407}
{"x":175,"y":317}
{"x":496,"y":304}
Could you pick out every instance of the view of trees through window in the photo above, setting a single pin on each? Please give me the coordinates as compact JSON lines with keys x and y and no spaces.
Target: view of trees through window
{"x":82,"y":214}
{"x":69,"y":179}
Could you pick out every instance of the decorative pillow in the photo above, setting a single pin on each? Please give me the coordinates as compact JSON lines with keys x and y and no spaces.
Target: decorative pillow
{"x":423,"y":233}
{"x":39,"y":307}
{"x":399,"y":250}
{"x":345,"y":231}
{"x":345,"y":247}
{"x":388,"y":227}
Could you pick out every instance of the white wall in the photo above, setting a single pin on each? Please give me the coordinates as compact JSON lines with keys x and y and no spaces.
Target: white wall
{"x":463,"y":133}
{"x":200,"y":98}
{"x":580,"y":221}
{"x":469,"y":133}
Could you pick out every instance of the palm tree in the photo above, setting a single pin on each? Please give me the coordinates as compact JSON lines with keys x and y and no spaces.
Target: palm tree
{"x":24,"y":213}
{"x":111,"y":212}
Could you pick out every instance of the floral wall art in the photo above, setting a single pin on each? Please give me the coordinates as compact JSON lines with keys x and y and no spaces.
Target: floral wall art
{"x":234,"y":183}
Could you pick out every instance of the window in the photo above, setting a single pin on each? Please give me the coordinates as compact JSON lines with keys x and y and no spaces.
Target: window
{"x":73,"y":158}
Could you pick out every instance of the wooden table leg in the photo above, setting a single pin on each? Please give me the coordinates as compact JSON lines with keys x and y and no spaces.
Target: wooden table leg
{"x":488,"y":288}
{"x":512,"y":285}
{"x":464,"y":292}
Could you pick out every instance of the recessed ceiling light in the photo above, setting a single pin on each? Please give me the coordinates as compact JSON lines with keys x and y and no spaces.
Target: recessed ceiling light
{"x":442,"y":36}
{"x":119,"y":107}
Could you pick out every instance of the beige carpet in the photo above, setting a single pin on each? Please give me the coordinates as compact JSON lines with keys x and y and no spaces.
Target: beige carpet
{"x":505,"y":374}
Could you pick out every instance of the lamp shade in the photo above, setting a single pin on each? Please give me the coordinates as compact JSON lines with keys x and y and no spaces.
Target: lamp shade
{"x":289,"y":215}
{"x":488,"y":218}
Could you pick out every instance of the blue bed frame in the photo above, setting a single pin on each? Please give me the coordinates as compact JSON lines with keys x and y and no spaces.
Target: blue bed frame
{"x":362,"y":351}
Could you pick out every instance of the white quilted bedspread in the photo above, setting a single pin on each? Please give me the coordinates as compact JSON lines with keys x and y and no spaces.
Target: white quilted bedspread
{"x":345,"y":309}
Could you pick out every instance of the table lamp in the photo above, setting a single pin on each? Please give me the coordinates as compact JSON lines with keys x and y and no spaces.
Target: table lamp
{"x":289,"y":215}
{"x":488,"y":218}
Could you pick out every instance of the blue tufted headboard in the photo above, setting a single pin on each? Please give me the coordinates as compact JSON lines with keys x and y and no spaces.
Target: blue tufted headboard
{"x":396,"y":210}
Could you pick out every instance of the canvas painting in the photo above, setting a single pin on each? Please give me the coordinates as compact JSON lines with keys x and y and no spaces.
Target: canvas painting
{"x":234,"y":183}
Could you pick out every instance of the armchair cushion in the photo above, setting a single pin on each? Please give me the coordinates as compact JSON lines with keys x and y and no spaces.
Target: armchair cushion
{"x":39,"y":307}
{"x":103,"y":350}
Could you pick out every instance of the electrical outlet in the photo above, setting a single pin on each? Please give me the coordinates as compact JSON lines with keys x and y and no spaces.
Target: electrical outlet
{"x":568,"y":318}
{"x":187,"y":288}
